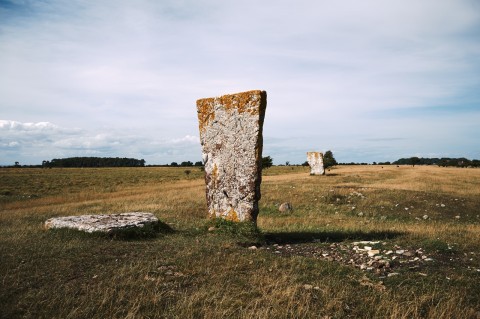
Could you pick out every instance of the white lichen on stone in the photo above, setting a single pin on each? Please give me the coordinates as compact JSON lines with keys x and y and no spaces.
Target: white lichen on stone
{"x":102,"y":223}
{"x":315,"y":160}
{"x":231,"y":138}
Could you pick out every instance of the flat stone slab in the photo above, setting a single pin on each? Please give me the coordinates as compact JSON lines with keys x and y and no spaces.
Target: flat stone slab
{"x":102,"y":223}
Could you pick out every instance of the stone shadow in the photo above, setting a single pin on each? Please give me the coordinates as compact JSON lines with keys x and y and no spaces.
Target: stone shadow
{"x":327,"y":236}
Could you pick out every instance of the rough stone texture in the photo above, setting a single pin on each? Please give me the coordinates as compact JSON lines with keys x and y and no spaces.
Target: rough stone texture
{"x":102,"y":223}
{"x":231,"y":138}
{"x":315,"y":160}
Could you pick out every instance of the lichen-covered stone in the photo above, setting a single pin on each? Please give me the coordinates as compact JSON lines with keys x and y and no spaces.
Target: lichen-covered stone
{"x":102,"y":223}
{"x":231,"y":138}
{"x":315,"y":160}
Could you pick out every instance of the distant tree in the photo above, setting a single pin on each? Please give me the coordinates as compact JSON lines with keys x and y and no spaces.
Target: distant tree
{"x":187,"y":163}
{"x":198,"y":163}
{"x":305,"y":163}
{"x":17,"y":164}
{"x":174,"y":164}
{"x":328,"y":159}
{"x":267,"y":162}
{"x":287,"y":163}
{"x":414,"y":160}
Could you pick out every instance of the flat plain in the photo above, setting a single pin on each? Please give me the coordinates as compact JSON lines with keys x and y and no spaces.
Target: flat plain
{"x":361,"y":242}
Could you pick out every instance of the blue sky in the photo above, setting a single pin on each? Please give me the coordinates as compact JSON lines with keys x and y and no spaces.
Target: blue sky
{"x":370,"y":80}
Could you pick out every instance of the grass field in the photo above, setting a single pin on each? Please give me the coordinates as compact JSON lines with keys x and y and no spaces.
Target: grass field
{"x":424,"y":223}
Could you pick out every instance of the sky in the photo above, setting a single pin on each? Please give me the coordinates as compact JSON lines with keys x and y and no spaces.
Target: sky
{"x":369,"y":80}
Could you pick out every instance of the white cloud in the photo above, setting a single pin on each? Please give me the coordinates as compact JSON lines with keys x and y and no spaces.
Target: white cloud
{"x":6,"y":126}
{"x":35,"y":142}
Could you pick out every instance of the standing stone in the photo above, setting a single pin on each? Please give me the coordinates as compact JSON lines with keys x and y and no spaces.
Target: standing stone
{"x":315,"y":160}
{"x":231,"y":138}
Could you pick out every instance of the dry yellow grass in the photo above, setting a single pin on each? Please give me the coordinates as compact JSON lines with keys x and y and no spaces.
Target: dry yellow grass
{"x":194,"y":273}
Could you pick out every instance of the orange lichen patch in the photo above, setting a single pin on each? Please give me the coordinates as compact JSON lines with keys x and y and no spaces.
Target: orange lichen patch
{"x":316,"y":155}
{"x":215,"y":175}
{"x":245,"y":102}
{"x":205,"y":111}
{"x":242,"y":102}
{"x":232,"y":215}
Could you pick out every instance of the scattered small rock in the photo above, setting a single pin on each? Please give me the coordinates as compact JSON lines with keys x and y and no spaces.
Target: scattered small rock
{"x":373,"y":252}
{"x":285,"y":207}
{"x":359,"y":254}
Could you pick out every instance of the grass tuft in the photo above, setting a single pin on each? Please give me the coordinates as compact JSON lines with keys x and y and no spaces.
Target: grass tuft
{"x":243,"y":231}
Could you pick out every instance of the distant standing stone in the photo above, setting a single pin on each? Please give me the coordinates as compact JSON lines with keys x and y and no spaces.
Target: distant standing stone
{"x":231,"y":138}
{"x":102,"y":223}
{"x":315,"y":160}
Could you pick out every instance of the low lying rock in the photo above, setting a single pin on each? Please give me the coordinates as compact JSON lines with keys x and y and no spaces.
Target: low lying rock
{"x":103,"y":223}
{"x":285,"y":207}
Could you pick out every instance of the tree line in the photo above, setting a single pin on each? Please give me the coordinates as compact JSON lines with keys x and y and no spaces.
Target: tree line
{"x":444,"y":161}
{"x":328,"y":159}
{"x":94,"y":162}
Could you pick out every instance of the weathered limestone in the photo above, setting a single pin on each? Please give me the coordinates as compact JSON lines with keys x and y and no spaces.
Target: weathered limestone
{"x":315,"y":160}
{"x":231,"y":138}
{"x":102,"y":223}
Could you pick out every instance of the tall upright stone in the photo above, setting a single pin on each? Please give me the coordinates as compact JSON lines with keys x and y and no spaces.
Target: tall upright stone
{"x":315,"y":160}
{"x":231,"y":138}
